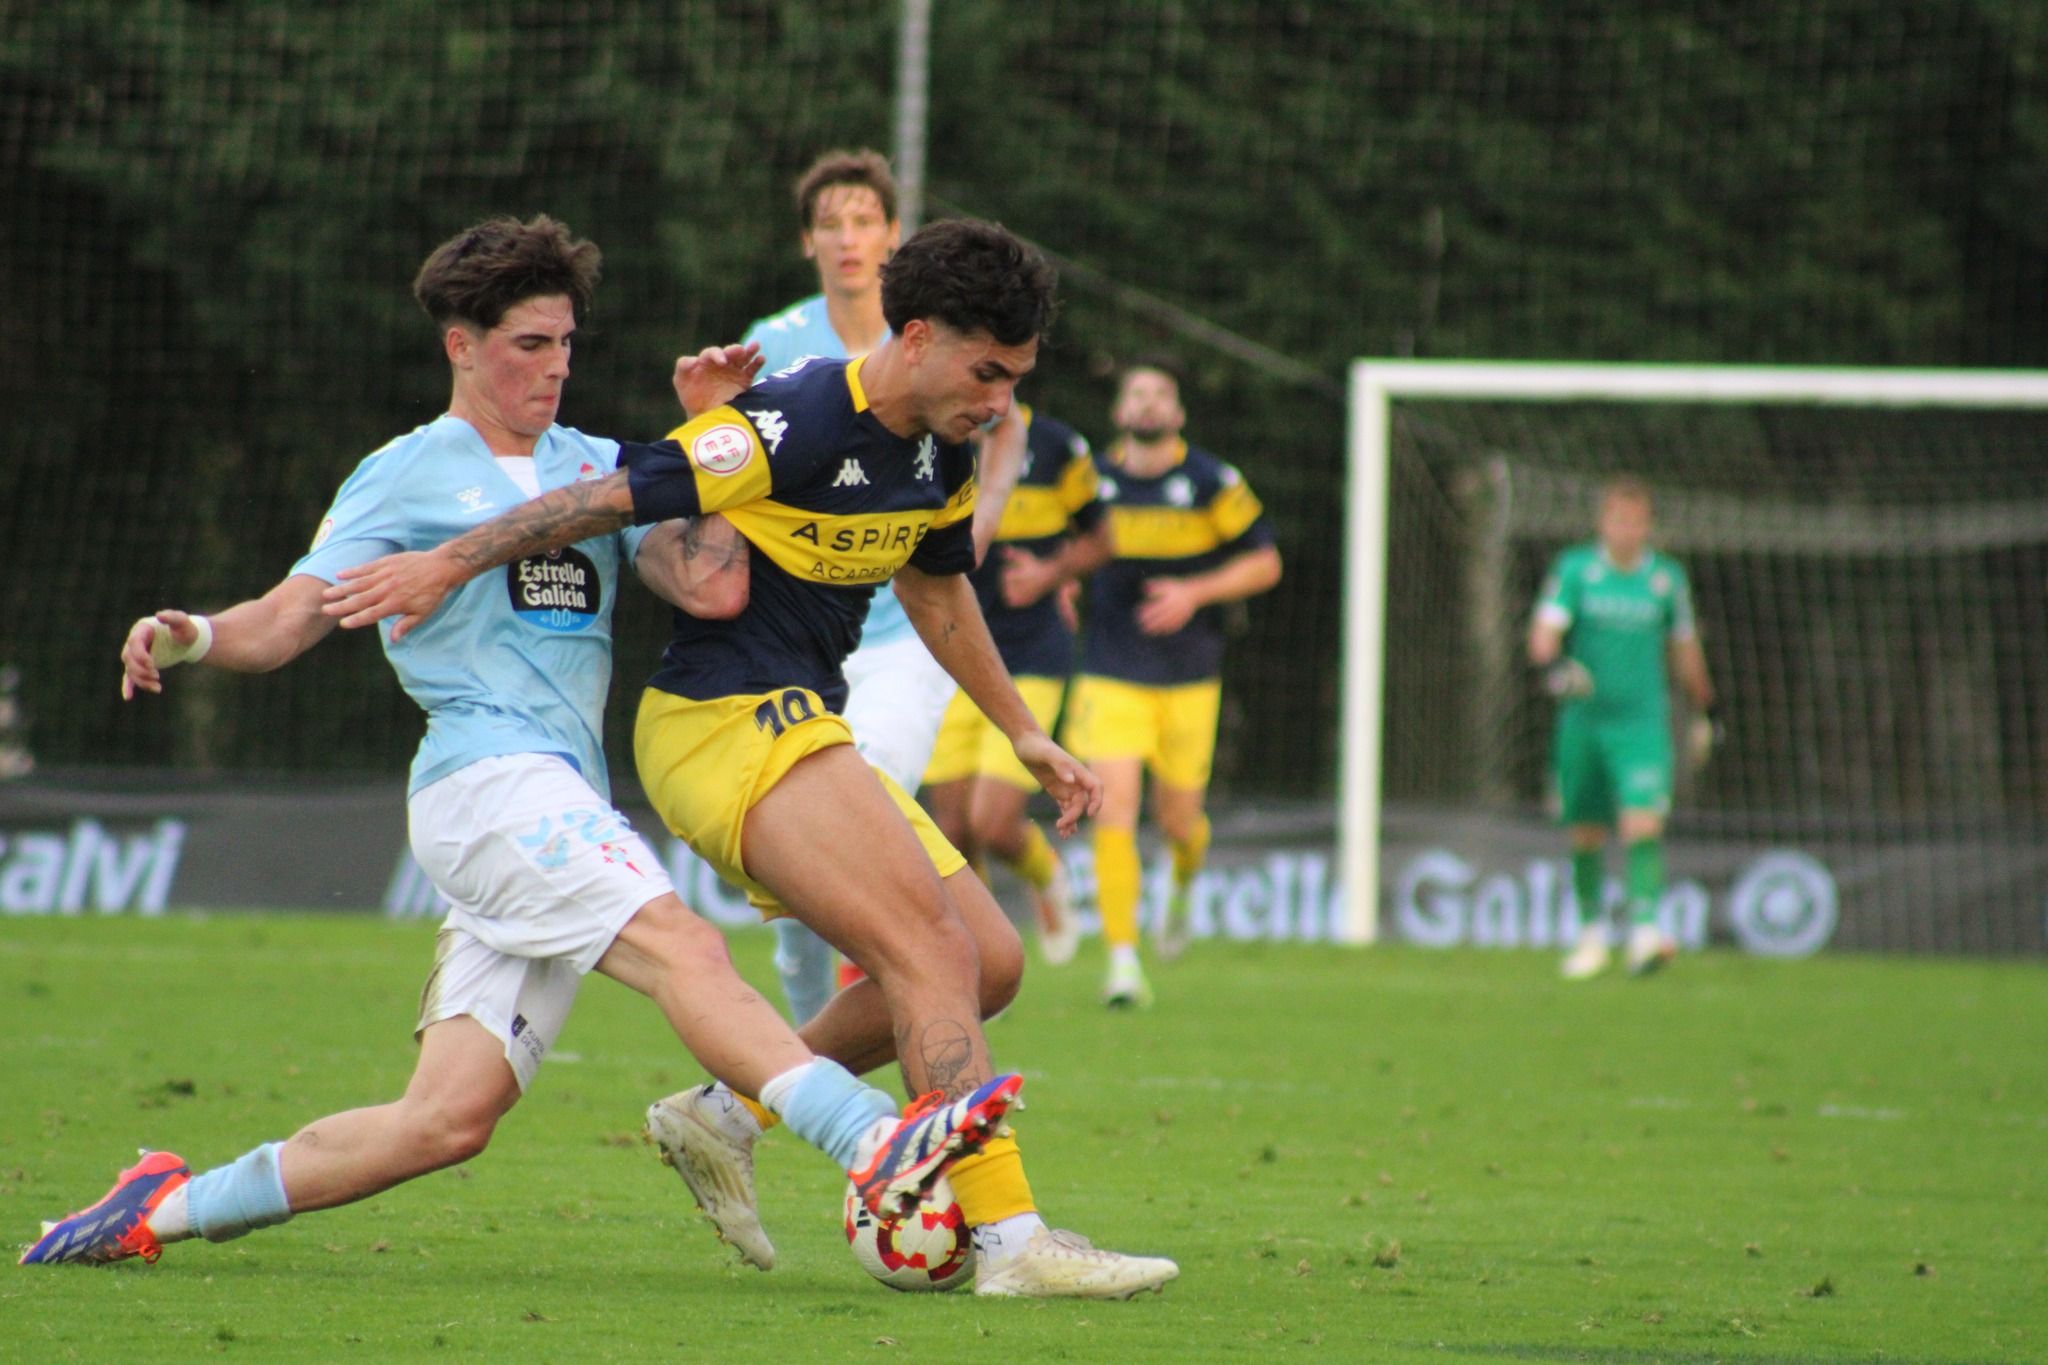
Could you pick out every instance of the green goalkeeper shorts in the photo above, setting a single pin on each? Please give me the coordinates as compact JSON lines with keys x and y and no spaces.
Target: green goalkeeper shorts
{"x":1603,"y":767}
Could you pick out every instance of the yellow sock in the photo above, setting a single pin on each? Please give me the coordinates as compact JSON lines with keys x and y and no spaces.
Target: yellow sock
{"x":1190,"y":853}
{"x":1116,"y":884}
{"x":990,"y":1185}
{"x":761,"y":1115}
{"x":1037,"y":862}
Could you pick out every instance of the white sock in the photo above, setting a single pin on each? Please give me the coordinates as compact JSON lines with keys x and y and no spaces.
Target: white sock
{"x":1123,"y":954}
{"x":997,"y":1242}
{"x":733,"y":1119}
{"x":169,"y":1221}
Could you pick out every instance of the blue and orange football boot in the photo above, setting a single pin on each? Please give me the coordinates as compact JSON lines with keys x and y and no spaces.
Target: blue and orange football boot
{"x":908,"y":1159}
{"x":117,"y":1227}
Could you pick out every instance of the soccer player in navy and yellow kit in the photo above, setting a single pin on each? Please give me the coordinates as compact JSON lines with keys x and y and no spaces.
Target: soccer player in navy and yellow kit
{"x":896,"y":692}
{"x":840,"y":475}
{"x":1052,"y":532}
{"x":1612,"y":613}
{"x":1190,"y":535}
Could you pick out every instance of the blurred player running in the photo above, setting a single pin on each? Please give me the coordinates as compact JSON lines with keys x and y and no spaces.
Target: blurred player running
{"x":1052,"y":533}
{"x":846,"y":209}
{"x":839,"y":475}
{"x":1609,"y":614}
{"x":1190,"y":535}
{"x":507,"y":802}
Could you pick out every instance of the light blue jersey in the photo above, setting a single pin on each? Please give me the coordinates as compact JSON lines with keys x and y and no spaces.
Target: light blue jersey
{"x":800,"y":331}
{"x":515,"y":661}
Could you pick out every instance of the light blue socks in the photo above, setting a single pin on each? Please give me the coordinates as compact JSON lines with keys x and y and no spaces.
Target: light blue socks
{"x":233,"y":1200}
{"x":827,"y":1106}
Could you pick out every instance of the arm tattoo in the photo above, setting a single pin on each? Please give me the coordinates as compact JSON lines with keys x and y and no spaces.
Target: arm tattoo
{"x":946,"y":631}
{"x":571,"y":513}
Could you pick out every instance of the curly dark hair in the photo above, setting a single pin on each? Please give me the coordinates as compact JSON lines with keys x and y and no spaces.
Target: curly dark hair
{"x":480,"y":273}
{"x":974,"y":277}
{"x":865,"y":167}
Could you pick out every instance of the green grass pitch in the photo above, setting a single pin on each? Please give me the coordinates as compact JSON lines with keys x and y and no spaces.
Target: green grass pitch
{"x":1390,"y":1155}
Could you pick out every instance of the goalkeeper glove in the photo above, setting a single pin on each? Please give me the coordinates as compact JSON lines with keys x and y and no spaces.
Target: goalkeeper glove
{"x":1568,"y":680}
{"x":1705,"y":736}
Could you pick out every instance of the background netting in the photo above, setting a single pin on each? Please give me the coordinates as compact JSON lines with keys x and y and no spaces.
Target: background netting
{"x":1872,"y":594}
{"x":213,"y":210}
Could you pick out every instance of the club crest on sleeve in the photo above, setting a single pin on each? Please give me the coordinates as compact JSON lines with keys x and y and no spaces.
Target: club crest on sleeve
{"x":722,"y":449}
{"x":320,"y":536}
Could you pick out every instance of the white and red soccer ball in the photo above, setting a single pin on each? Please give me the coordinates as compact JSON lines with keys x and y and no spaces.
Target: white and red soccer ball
{"x":929,"y":1250}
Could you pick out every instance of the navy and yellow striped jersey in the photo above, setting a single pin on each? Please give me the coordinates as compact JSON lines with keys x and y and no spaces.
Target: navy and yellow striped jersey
{"x":832,"y":502}
{"x":1055,"y":497}
{"x":1187,"y":520}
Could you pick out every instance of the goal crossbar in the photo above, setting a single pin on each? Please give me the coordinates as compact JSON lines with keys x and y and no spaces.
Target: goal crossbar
{"x":1374,"y":386}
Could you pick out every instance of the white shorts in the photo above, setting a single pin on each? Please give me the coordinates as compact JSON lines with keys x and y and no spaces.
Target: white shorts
{"x":896,"y":696}
{"x":540,"y":874}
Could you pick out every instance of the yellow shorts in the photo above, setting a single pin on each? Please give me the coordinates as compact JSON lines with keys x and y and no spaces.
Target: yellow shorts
{"x":1173,"y":729}
{"x":705,"y":764}
{"x":969,"y":746}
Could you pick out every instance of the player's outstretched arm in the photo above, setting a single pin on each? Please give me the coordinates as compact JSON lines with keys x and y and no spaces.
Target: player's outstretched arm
{"x":1170,"y":603}
{"x":412,"y":584}
{"x":949,"y":621}
{"x":250,"y":637}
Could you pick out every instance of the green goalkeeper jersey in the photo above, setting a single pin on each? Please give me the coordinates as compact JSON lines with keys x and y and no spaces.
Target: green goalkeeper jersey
{"x":1617,"y":623}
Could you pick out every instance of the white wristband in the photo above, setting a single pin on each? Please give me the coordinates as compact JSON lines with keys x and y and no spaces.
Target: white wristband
{"x":164,"y":649}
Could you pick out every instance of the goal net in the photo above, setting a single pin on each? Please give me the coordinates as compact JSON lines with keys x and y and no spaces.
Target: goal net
{"x":1868,"y":552}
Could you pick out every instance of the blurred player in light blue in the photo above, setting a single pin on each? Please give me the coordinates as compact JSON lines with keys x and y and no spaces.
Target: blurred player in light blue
{"x":846,"y":203}
{"x":508,"y":803}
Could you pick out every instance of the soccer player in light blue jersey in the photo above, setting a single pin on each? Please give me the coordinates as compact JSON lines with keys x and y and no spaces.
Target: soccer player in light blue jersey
{"x":508,"y":802}
{"x":846,"y":203}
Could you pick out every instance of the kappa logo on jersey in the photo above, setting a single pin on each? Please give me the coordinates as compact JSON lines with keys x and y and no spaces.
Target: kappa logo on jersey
{"x":558,"y":591}
{"x":1179,"y":491}
{"x":793,"y":366}
{"x":723,"y":449}
{"x":850,"y":474}
{"x":927,"y":459}
{"x":772,"y":428}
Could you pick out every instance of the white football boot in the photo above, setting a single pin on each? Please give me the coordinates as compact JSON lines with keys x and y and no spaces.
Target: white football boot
{"x":1127,"y":987}
{"x":701,"y":1138}
{"x":1649,"y":948}
{"x":1058,"y":936}
{"x":1589,"y":958}
{"x":1065,"y":1265}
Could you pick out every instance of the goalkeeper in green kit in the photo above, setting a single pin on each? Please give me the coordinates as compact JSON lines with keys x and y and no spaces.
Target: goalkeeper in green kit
{"x":1612,"y":612}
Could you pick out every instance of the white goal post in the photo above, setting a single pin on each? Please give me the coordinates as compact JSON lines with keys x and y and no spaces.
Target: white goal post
{"x":1374,"y":386}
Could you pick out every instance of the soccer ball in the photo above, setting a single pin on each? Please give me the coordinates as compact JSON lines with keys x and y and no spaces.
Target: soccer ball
{"x":930,"y":1250}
